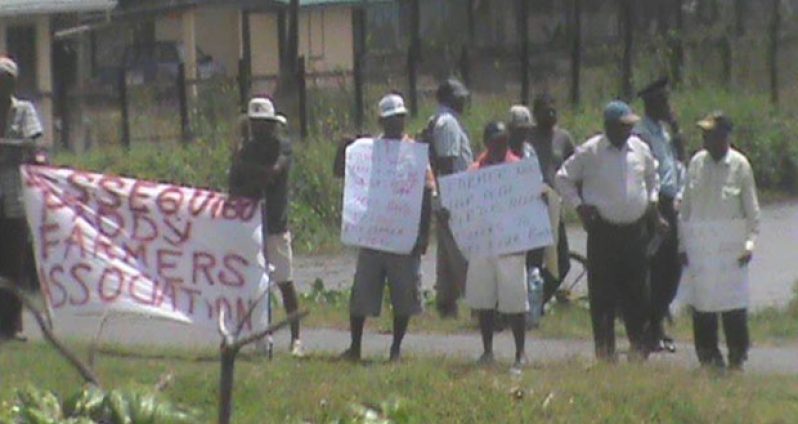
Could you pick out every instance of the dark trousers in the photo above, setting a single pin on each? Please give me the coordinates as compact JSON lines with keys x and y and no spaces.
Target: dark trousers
{"x":13,"y":253}
{"x":617,"y":270}
{"x":666,"y":270}
{"x":450,"y":272}
{"x":705,"y":334}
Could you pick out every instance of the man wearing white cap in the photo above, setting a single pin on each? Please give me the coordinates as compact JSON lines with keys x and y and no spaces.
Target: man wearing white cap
{"x":260,"y":171}
{"x":20,"y":132}
{"x":402,"y":272}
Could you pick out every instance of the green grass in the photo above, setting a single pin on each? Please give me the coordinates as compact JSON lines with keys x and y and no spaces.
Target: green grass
{"x":441,"y":390}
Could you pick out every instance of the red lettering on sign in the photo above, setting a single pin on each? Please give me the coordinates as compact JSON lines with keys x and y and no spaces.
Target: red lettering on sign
{"x":144,"y":228}
{"x":74,"y":181}
{"x":178,"y":235}
{"x":231,"y":262}
{"x":192,"y":297}
{"x":168,"y":292}
{"x":53,"y":282}
{"x":166,"y":261}
{"x":104,"y":248}
{"x":195,"y":207}
{"x":203,"y":262}
{"x":138,"y":198}
{"x":84,"y":287}
{"x":111,"y":186}
{"x":241,"y":312}
{"x":135,"y":256}
{"x":170,"y":200}
{"x":109,"y":223}
{"x":107,"y":279}
{"x":46,"y":242}
{"x":149,"y":289}
{"x":75,"y":239}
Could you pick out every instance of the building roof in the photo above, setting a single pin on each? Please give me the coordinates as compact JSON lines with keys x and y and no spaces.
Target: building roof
{"x":35,"y":7}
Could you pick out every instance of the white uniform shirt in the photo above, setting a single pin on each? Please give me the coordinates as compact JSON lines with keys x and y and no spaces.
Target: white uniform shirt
{"x":719,"y":191}
{"x":619,"y":182}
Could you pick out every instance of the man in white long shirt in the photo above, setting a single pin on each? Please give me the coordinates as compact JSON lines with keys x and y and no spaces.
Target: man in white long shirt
{"x":619,"y":189}
{"x":721,"y":189}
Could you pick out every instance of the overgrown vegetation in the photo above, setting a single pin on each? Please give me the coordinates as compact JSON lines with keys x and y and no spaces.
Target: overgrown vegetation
{"x":764,"y":133}
{"x":425,"y":390}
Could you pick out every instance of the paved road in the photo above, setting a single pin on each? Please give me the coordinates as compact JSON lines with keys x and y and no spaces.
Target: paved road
{"x":774,"y":270}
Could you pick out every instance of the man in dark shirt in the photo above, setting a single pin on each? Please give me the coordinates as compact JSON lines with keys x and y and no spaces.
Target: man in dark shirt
{"x":260,"y":171}
{"x":553,"y":146}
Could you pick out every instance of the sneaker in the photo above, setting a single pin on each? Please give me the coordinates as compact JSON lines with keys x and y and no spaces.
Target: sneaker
{"x":668,"y":344}
{"x":296,"y":349}
{"x":519,"y":365}
{"x":486,"y":360}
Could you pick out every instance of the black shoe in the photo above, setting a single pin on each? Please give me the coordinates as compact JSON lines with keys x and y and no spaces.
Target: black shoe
{"x":350,"y":355}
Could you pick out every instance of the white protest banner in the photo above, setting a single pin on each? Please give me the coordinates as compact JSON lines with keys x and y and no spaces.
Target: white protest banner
{"x":497,"y":210}
{"x":713,"y":280}
{"x":383,"y":191}
{"x":105,"y":243}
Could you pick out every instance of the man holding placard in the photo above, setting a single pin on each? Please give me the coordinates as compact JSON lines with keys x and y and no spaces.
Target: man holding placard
{"x":719,"y":223}
{"x":619,"y":187}
{"x":498,"y":282}
{"x":387,"y":192}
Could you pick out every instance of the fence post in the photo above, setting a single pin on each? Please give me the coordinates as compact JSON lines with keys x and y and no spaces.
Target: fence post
{"x":359,"y":47}
{"x":182,"y":97}
{"x":522,"y":7}
{"x":576,"y":54}
{"x":677,"y":45}
{"x":626,"y":23}
{"x":303,"y":97}
{"x":726,"y":60}
{"x":465,"y":66}
{"x":773,"y":52}
{"x":123,"y":108}
{"x":62,"y":100}
{"x":413,"y":56}
{"x":245,"y":63}
{"x":740,"y":10}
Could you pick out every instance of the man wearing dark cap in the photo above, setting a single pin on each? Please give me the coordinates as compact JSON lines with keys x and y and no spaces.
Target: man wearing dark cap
{"x":20,"y":135}
{"x":720,"y":187}
{"x":498,"y":283}
{"x":612,"y":182}
{"x":451,"y":153}
{"x":660,"y":131}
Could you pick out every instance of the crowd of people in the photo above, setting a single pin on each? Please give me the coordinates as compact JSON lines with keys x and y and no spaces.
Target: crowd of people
{"x":631,"y":185}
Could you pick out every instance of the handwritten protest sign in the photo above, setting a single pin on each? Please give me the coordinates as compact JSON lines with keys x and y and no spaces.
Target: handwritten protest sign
{"x":110,"y":243}
{"x":497,"y":210}
{"x":383,"y":191}
{"x":714,"y":281}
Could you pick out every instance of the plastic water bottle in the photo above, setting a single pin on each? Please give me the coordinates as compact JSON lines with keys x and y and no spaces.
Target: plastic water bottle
{"x":534,"y":283}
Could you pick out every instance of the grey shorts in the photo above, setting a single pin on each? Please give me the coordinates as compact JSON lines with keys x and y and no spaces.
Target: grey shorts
{"x":403,"y":275}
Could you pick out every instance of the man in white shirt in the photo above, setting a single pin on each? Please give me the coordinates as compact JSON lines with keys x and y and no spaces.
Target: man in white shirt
{"x":720,"y":187}
{"x":619,"y":188}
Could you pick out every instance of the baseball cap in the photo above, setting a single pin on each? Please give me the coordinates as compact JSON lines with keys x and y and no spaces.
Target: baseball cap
{"x":520,"y":117}
{"x":392,"y":105}
{"x":262,"y":108}
{"x":618,"y":111}
{"x":493,"y":131}
{"x":716,"y":119}
{"x":8,"y":66}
